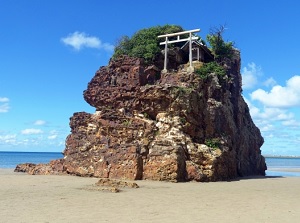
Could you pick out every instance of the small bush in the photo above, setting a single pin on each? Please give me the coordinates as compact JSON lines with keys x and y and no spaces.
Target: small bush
{"x":213,"y":143}
{"x":211,"y":67}
{"x":181,"y":91}
{"x":127,"y":123}
{"x":182,"y":120}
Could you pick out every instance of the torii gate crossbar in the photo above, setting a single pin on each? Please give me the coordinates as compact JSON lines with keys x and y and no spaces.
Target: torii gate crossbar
{"x":190,"y":39}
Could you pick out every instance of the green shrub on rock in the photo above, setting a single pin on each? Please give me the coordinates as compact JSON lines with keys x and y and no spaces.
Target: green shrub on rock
{"x":144,"y":43}
{"x":211,"y":67}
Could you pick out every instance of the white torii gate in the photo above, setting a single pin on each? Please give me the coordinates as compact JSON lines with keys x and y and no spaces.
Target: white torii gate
{"x":190,"y":69}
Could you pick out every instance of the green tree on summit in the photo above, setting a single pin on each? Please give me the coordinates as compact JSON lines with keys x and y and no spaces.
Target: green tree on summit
{"x":144,"y":43}
{"x":220,"y":49}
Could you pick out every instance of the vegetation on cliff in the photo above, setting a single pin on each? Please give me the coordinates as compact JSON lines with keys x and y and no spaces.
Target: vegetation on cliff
{"x":221,"y":50}
{"x":208,"y":68}
{"x":144,"y":43}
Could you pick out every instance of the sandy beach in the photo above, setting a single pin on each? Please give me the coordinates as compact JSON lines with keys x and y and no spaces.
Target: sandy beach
{"x":26,"y":198}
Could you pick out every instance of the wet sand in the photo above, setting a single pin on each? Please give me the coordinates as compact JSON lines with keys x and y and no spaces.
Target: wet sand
{"x":26,"y":198}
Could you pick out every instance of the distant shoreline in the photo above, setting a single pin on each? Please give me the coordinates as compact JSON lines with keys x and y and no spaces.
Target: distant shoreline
{"x":281,"y":157}
{"x":266,"y":156}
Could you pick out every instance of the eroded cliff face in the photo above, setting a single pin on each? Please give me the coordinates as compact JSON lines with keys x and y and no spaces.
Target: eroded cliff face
{"x":174,"y":127}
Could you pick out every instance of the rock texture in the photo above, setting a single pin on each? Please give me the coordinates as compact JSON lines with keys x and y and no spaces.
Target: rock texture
{"x":173,"y":127}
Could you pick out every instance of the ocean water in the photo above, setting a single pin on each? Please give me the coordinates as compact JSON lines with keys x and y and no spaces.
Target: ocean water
{"x":285,"y":167}
{"x":11,"y":159}
{"x":276,"y":166}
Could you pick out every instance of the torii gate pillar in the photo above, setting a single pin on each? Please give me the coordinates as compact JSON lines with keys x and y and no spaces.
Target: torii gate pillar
{"x":190,"y":69}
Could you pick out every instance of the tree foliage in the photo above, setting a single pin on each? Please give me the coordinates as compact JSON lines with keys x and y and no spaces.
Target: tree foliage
{"x":144,"y":43}
{"x":219,"y":47}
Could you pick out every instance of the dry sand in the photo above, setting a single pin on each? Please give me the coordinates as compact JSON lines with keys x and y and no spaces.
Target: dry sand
{"x":26,"y":198}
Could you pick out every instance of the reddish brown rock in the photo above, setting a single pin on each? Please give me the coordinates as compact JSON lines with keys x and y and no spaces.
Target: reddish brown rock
{"x":55,"y":167}
{"x":174,"y":127}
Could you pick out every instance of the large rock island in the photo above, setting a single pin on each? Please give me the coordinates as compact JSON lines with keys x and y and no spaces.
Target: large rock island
{"x":174,"y":126}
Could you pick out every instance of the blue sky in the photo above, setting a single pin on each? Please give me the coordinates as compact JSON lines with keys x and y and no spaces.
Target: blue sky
{"x":50,"y":50}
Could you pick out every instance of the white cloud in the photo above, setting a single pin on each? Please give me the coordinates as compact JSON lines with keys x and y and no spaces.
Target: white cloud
{"x":280,"y":96}
{"x":8,"y":139}
{"x":292,"y":123}
{"x":4,"y":99}
{"x":4,"y":106}
{"x":79,"y":40}
{"x":52,"y":137}
{"x":31,"y":131}
{"x":265,"y":118}
{"x":53,"y":134}
{"x":276,"y":114}
{"x":250,"y":75}
{"x":274,"y":111}
{"x":108,"y":47}
{"x":39,"y":122}
{"x":270,"y":82}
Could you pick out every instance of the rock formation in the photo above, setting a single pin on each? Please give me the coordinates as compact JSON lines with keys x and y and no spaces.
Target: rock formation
{"x":176,"y":126}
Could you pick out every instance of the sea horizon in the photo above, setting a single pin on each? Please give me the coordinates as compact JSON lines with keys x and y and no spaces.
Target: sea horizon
{"x":10,"y":159}
{"x":61,"y":152}
{"x":284,"y":166}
